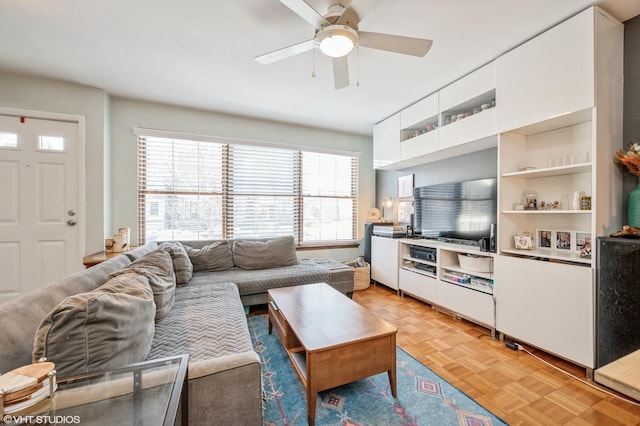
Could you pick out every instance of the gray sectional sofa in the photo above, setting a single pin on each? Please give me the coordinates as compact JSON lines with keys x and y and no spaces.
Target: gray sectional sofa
{"x":204,"y":317}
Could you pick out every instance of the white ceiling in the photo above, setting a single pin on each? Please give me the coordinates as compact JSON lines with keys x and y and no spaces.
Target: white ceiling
{"x":200,"y":53}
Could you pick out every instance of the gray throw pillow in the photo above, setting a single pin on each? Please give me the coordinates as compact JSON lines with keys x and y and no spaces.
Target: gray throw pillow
{"x":262,"y":254}
{"x":158,"y":268}
{"x":181,"y":264}
{"x":213,"y":257}
{"x":106,"y":328}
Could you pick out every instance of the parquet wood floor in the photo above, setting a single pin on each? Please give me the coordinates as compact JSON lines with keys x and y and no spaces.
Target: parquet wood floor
{"x":511,"y":384}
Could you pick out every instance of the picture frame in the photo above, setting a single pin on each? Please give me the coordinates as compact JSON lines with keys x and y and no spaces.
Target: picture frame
{"x":582,"y":241}
{"x":405,"y":186}
{"x":563,"y":240}
{"x":523,"y":242}
{"x":544,"y":239}
{"x":405,"y":209}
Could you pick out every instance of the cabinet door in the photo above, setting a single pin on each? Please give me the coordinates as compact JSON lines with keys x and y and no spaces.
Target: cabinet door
{"x":547,"y":304}
{"x":418,"y":112}
{"x":385,"y":261}
{"x":386,"y":142}
{"x":471,"y":304}
{"x":419,"y":285}
{"x":550,"y":75}
{"x":459,"y":92}
{"x":419,"y":146}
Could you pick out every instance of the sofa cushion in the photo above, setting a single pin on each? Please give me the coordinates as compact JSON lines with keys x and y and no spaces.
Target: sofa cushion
{"x":258,"y":281}
{"x":138,"y":252}
{"x":181,"y":264}
{"x":105,"y":328}
{"x":212,"y":257}
{"x":158,"y":268}
{"x":207,"y":321}
{"x":263,"y":254}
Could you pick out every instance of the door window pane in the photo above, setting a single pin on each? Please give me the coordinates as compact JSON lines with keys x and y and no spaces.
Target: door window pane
{"x":51,"y":143}
{"x":8,"y":140}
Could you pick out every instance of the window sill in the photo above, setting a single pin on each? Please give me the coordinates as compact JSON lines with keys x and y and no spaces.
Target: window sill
{"x":324,"y":246}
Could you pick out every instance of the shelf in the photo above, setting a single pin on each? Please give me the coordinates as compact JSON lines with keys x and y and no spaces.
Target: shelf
{"x":557,"y":122}
{"x":415,"y":259}
{"x":300,"y":363}
{"x":554,"y":211}
{"x":461,"y":111}
{"x":547,"y":254}
{"x":551,"y":171}
{"x":425,"y":126}
{"x":457,"y":268}
{"x":469,"y":286}
{"x":419,"y":271}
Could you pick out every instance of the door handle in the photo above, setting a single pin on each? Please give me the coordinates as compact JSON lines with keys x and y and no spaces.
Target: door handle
{"x":71,"y":222}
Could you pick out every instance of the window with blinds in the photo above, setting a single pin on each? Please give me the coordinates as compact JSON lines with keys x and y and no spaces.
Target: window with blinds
{"x":180,"y":189}
{"x":329,"y":186}
{"x":262,"y":195}
{"x":191,"y":190}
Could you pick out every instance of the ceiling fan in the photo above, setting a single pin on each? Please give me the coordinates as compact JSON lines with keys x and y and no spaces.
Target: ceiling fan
{"x":337,"y":34}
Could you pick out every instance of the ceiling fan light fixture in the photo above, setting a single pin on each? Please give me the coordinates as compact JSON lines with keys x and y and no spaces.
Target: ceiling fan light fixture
{"x":337,"y":40}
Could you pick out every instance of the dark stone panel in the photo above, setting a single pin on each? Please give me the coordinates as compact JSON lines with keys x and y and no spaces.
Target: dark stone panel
{"x":617,"y":298}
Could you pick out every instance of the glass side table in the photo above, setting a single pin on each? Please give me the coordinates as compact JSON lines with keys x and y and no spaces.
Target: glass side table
{"x":146,"y":393}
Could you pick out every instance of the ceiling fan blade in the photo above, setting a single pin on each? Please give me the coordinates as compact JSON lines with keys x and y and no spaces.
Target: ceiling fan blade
{"x":306,"y":12}
{"x":356,"y":12}
{"x":393,"y":43}
{"x":285,"y":52}
{"x":340,"y":72}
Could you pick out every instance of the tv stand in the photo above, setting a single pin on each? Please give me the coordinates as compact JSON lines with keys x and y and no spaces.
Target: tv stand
{"x":445,"y":284}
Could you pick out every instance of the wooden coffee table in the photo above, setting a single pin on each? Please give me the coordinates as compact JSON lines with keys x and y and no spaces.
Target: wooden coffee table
{"x":330,"y":339}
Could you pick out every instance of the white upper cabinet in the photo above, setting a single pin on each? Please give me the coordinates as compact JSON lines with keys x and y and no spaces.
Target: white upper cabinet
{"x":467,"y":109}
{"x":549,"y":75}
{"x":475,"y":84}
{"x":414,"y":115}
{"x":386,"y":142}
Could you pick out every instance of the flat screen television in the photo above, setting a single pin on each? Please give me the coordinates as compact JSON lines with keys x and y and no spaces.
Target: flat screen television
{"x":457,"y":211}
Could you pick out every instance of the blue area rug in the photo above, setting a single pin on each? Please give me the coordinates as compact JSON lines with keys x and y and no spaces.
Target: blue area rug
{"x":424,"y":398}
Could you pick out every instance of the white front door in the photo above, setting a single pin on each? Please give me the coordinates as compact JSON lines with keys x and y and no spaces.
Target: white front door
{"x":40,"y":211}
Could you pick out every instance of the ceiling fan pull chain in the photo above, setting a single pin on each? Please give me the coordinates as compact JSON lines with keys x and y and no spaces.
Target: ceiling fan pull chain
{"x":357,"y":66}
{"x":313,"y":55}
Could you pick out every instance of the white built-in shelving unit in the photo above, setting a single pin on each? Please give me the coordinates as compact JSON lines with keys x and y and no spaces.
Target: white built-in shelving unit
{"x":557,"y":123}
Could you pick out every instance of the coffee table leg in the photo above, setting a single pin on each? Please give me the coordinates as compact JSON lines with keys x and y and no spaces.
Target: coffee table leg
{"x":312,"y":392}
{"x":311,"y":405}
{"x":392,"y":381}
{"x":392,"y":372}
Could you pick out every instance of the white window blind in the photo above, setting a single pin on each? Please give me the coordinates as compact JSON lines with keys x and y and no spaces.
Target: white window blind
{"x":329,"y":195}
{"x":190,"y":190}
{"x":262,"y":197}
{"x":179,"y":189}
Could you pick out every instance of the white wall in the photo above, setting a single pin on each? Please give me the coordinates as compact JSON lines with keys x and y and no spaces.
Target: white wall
{"x":25,"y":92}
{"x":475,"y":165}
{"x":125,"y":114}
{"x":111,"y":146}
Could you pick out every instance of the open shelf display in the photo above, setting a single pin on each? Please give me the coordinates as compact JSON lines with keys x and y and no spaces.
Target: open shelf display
{"x":425,"y":126}
{"x":469,"y":108}
{"x":480,"y":281}
{"x":525,"y":157}
{"x":419,"y":266}
{"x":546,"y":254}
{"x":467,"y":281}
